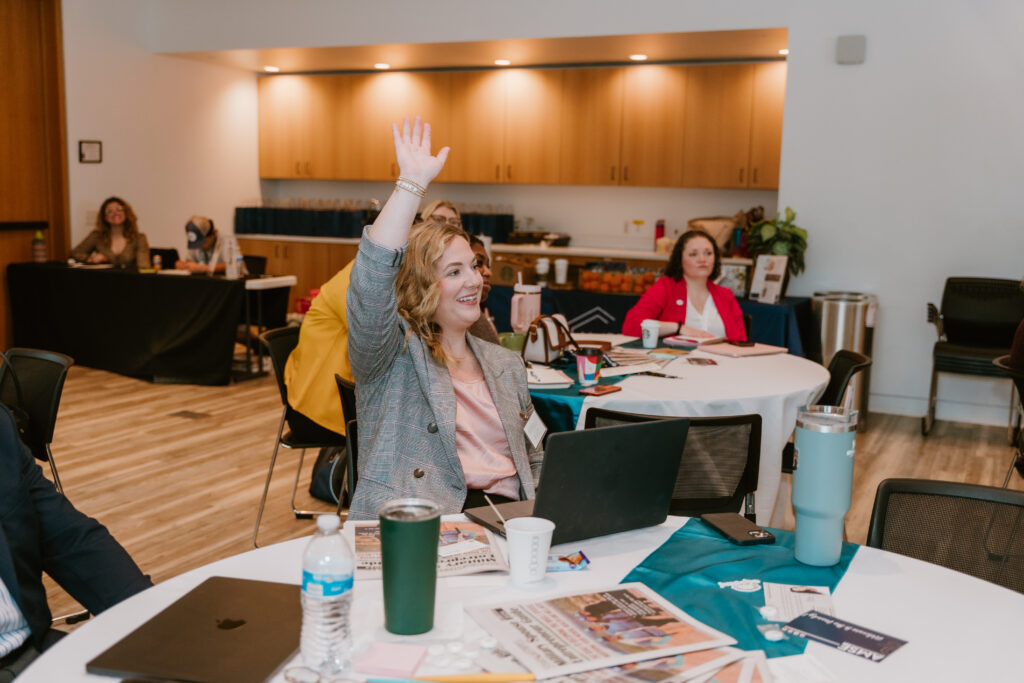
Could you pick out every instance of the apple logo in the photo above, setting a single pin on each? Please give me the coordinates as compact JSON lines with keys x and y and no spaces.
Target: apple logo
{"x":230,"y":624}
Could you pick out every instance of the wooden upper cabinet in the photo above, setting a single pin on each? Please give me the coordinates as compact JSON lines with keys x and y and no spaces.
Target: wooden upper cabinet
{"x":476,"y":131}
{"x":591,"y":126}
{"x":383,"y":99}
{"x":653,"y":125}
{"x":716,"y":152}
{"x":533,"y":126}
{"x":766,"y":124}
{"x":296,"y":135}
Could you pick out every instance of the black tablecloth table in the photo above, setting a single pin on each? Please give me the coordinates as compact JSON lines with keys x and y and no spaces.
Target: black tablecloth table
{"x":161,"y":328}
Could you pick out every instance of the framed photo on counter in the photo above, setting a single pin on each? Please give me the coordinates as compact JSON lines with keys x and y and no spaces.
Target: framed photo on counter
{"x":735,"y":278}
{"x":769,"y":272}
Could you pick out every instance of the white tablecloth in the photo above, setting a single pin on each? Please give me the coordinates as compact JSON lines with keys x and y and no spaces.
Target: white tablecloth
{"x":958,"y":628}
{"x":774,"y":387}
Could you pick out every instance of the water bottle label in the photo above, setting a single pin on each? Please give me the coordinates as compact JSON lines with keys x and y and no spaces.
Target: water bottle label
{"x":325,"y":585}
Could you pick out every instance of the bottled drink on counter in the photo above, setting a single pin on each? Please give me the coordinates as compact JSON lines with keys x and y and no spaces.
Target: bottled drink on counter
{"x":327,"y":570}
{"x":157,"y":261}
{"x":659,"y":232}
{"x":38,"y":247}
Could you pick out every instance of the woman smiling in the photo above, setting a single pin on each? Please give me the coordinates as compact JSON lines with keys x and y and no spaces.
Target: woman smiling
{"x":441,"y":413}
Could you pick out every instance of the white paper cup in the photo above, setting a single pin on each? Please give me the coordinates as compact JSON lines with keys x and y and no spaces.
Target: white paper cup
{"x":649,"y":333}
{"x":529,"y":539}
{"x":561,"y":271}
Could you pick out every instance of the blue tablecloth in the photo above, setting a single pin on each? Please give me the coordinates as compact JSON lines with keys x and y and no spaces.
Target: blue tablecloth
{"x":787,"y":323}
{"x":688,"y":567}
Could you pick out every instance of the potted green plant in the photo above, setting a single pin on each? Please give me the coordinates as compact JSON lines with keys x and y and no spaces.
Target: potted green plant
{"x":779,"y":236}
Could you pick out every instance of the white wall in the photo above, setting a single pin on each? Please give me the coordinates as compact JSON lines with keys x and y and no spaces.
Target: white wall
{"x":903,"y":169}
{"x":179,"y":136}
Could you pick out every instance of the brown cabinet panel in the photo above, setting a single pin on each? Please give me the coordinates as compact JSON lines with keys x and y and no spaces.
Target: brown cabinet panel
{"x":533,"y":126}
{"x":297,"y":137}
{"x":591,"y":126}
{"x":477,"y":128}
{"x":653,"y":125}
{"x":766,"y":124}
{"x":716,"y":152}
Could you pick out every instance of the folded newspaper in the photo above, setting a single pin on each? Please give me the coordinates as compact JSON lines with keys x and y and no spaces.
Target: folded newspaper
{"x":579,"y":632}
{"x":463,"y":548}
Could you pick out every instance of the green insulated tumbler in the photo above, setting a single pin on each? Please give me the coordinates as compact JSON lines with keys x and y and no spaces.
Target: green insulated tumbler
{"x":409,"y":532}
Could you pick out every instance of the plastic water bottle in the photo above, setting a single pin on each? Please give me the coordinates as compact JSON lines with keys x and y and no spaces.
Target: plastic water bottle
{"x":327,"y":570}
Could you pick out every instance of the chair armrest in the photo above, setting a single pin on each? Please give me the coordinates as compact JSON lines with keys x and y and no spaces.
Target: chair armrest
{"x":935,"y":318}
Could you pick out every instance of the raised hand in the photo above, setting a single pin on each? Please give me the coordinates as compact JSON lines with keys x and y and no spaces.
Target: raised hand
{"x":412,"y":150}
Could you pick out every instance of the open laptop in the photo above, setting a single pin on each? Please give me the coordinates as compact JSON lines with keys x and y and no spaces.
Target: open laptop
{"x":601,"y":481}
{"x":224,"y":630}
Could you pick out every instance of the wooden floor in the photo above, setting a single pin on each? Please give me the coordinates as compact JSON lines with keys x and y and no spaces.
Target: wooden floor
{"x":180,"y":489}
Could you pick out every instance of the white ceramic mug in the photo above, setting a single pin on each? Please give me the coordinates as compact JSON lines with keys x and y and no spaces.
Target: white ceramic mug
{"x":529,"y":539}
{"x":561,"y":271}
{"x":649,"y":333}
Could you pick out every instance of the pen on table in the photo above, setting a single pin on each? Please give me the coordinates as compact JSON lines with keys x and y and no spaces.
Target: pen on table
{"x":491,"y":503}
{"x":481,"y":678}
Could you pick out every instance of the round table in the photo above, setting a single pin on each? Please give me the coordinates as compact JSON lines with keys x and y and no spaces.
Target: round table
{"x":773,"y":387}
{"x":958,"y":628}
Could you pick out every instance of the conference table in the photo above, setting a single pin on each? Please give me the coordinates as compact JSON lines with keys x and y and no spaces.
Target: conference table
{"x":957,"y":628}
{"x":154,"y":326}
{"x":773,"y":386}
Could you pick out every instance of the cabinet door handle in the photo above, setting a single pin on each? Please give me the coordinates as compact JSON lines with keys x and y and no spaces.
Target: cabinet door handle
{"x":625,"y":173}
{"x":309,"y":168}
{"x":741,"y":175}
{"x":275,"y":251}
{"x":753,"y":179}
{"x":509,"y":171}
{"x":286,"y":251}
{"x":613,"y":173}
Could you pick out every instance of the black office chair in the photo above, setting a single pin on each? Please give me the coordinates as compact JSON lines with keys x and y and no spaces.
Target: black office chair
{"x":168,"y":257}
{"x":748,"y":326}
{"x":347,"y":395}
{"x":280,"y":343}
{"x":841,"y":369}
{"x":718,"y":470}
{"x":977,"y":530}
{"x":975,"y":326}
{"x":1017,"y":375}
{"x":34,"y":382}
{"x":352,"y":439}
{"x":255,"y":266}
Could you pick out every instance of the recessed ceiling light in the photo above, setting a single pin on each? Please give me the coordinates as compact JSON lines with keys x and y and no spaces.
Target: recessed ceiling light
{"x":502,"y":62}
{"x":272,"y":69}
{"x":381,"y":65}
{"x":638,"y":57}
{"x":784,"y":51}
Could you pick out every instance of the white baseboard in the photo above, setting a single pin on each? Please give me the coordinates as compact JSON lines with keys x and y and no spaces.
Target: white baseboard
{"x":944,"y":410}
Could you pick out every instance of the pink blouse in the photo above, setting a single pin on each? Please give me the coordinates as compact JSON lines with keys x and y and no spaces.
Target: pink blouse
{"x":480,"y":440}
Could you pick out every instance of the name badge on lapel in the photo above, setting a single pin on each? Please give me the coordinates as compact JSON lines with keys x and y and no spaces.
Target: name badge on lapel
{"x":535,"y":429}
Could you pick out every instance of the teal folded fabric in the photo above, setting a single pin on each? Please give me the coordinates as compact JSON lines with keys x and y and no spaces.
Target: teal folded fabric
{"x":560,"y":408}
{"x":688,"y":567}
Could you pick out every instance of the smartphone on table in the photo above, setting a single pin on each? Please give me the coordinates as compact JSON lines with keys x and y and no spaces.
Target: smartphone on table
{"x":600,"y":389}
{"x":737,"y":528}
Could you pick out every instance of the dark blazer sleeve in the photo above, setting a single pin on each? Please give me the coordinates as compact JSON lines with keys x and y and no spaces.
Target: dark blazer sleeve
{"x":42,"y":531}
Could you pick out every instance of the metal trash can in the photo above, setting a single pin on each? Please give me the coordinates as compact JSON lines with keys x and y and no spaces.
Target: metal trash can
{"x":846,"y":320}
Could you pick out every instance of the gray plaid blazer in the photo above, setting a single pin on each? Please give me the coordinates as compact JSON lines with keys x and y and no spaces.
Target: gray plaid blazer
{"x":406,"y":403}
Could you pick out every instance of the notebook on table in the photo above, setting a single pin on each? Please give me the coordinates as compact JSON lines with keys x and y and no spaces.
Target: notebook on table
{"x":601,"y":481}
{"x":733,"y":351}
{"x":222,"y":631}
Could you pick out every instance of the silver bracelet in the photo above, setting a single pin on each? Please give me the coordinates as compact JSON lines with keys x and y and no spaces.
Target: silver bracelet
{"x":409,"y":186}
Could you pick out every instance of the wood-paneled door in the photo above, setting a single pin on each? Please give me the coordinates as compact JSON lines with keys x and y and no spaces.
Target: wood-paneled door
{"x":716,"y":152}
{"x":653,"y":125}
{"x":766,"y":124}
{"x":591,"y":126}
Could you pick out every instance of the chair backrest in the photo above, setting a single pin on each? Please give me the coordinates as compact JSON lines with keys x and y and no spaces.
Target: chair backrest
{"x":347,"y":394}
{"x":748,"y":326}
{"x":255,"y":265}
{"x":352,"y":446}
{"x":168,"y":257}
{"x":280,"y":343}
{"x":981,"y":311}
{"x":977,"y":530}
{"x":40,"y":375}
{"x":843,"y":366}
{"x":720,"y":460}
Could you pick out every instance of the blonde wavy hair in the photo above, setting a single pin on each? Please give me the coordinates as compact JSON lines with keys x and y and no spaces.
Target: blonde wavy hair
{"x":417,"y":287}
{"x":428,"y":211}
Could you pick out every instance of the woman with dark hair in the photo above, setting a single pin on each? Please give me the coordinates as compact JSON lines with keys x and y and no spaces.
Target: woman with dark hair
{"x":442,"y":414}
{"x":686,"y":300}
{"x":116,"y":239}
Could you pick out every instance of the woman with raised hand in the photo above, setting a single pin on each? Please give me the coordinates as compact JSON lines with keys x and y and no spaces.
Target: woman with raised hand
{"x":441,"y":414}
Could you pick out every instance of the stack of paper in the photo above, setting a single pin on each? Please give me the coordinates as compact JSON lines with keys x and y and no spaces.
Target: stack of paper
{"x":544,"y":377}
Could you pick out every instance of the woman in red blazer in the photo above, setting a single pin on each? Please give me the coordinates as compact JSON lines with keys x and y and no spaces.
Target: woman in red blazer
{"x":685,"y":300}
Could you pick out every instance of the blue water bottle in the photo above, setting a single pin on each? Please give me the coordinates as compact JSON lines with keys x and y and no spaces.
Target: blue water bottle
{"x":822,"y":481}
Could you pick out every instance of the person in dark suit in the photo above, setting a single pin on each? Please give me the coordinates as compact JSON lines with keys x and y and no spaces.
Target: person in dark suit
{"x":40,"y":530}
